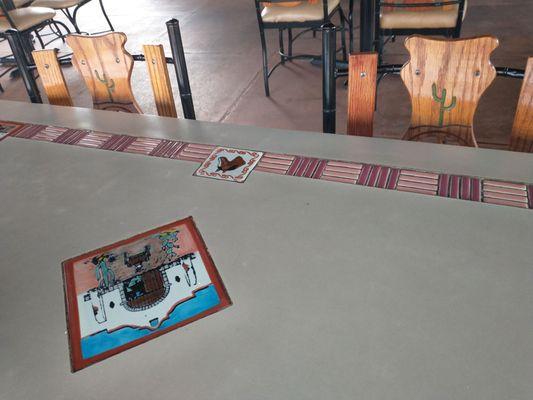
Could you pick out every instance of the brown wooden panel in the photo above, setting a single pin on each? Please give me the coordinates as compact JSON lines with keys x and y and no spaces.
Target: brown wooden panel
{"x":362,"y":77}
{"x":445,"y":79}
{"x":161,"y":87}
{"x":106,"y":68}
{"x":52,"y":77}
{"x":522,"y":133}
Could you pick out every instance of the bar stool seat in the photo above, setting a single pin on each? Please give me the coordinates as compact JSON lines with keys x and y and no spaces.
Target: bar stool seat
{"x":56,"y":4}
{"x":400,"y":19}
{"x":300,"y":13}
{"x":26,"y":18}
{"x":411,"y":18}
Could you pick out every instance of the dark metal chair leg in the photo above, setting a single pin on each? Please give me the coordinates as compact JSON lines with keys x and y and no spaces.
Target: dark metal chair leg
{"x":380,"y":44}
{"x":72,"y":20}
{"x":343,"y":35}
{"x":290,"y":42}
{"x":265,"y":61}
{"x":350,"y":25}
{"x":328,"y":77}
{"x":367,"y":16}
{"x":59,"y":24}
{"x":19,"y":52}
{"x":281,"y":47}
{"x":105,"y":15}
{"x":180,"y":65}
{"x":26,"y":44}
{"x":40,"y":39}
{"x":58,"y":33}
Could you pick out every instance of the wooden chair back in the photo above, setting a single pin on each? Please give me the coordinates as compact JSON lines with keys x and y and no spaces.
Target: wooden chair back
{"x":106,"y":68}
{"x":362,"y":78}
{"x":160,"y":81}
{"x":445,"y":79}
{"x":522,"y":133}
{"x":52,"y":77}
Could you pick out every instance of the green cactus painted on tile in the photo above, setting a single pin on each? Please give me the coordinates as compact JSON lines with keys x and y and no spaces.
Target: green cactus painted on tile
{"x":109,"y":84}
{"x":442,"y":100}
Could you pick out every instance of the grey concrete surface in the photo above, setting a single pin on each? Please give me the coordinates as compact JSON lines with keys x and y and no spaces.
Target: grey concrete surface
{"x":339,"y":291}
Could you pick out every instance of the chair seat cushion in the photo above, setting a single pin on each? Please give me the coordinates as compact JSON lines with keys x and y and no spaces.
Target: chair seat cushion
{"x":56,"y":4}
{"x":403,"y":19}
{"x":301,"y":13}
{"x":25,"y":18}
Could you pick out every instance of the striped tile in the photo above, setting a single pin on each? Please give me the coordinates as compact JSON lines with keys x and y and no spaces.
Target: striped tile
{"x":459,"y":187}
{"x":94,"y":139}
{"x":275,"y":163}
{"x":394,"y":175}
{"x":118,"y":143}
{"x":338,"y":171}
{"x":378,"y":176}
{"x":451,"y":186}
{"x":195,"y":152}
{"x":142,"y":146}
{"x":167,"y":149}
{"x":418,"y":182}
{"x":304,"y":167}
{"x":71,"y":136}
{"x":29,"y":131}
{"x":505,"y":193}
{"x":49,"y":134}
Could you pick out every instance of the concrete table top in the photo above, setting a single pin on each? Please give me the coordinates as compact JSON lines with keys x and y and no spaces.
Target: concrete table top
{"x":339,"y":291}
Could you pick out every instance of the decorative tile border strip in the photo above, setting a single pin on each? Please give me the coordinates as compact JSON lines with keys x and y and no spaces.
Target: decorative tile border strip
{"x":402,"y":179}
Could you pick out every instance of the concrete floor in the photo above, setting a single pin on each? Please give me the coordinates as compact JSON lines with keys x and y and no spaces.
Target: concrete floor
{"x":222,"y":47}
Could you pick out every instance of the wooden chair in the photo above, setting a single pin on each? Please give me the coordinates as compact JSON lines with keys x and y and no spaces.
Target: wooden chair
{"x":106,"y":68}
{"x":422,"y":17}
{"x":522,"y":133}
{"x":287,"y":15}
{"x":362,"y":78}
{"x":445,"y":79}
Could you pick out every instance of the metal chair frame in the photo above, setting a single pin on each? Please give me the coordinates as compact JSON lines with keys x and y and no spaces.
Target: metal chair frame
{"x":71,"y":16}
{"x":25,"y":40}
{"x":380,"y":34}
{"x":289,"y":26}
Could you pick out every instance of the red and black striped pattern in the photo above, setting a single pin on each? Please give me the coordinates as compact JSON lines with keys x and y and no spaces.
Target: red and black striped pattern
{"x":378,"y":176}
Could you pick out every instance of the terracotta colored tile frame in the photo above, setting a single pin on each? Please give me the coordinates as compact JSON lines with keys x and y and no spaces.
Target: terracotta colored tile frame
{"x":402,"y":179}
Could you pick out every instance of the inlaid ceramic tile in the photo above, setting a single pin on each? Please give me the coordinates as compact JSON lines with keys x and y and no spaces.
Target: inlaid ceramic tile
{"x":49,"y":134}
{"x":231,"y":167}
{"x":195,"y":152}
{"x":8,"y":128}
{"x":134,"y":290}
{"x":229,"y":164}
{"x":275,"y":163}
{"x":142,"y":146}
{"x":417,"y":182}
{"x":29,"y":131}
{"x":338,"y":171}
